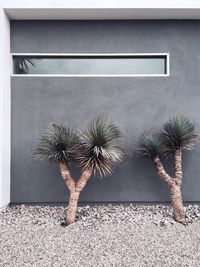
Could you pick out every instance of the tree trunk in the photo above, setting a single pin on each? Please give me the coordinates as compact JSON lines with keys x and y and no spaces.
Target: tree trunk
{"x":161,"y":171}
{"x":74,"y":189}
{"x":72,"y":207}
{"x":74,"y":196}
{"x":178,"y":173}
{"x":174,"y":185}
{"x":177,"y":203}
{"x":70,"y":183}
{"x":65,"y":172}
{"x":175,"y":190}
{"x":86,"y":174}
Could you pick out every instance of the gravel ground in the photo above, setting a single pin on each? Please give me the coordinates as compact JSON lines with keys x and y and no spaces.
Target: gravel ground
{"x":109,"y":235}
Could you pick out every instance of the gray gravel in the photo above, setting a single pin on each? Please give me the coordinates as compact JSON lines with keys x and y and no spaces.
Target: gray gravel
{"x":109,"y":235}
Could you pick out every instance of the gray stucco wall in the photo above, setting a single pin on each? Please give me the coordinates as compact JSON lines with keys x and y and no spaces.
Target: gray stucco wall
{"x":135,"y":103}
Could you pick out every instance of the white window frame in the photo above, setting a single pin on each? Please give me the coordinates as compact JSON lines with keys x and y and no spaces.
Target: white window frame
{"x":93,"y":54}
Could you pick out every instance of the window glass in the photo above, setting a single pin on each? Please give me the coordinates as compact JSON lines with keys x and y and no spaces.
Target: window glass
{"x":80,"y":65}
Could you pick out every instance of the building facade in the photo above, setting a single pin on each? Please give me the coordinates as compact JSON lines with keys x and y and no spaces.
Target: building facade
{"x":137,"y":67}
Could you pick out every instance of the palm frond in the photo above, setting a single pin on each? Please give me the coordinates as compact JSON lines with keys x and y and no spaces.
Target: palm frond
{"x":22,"y":64}
{"x":178,"y":133}
{"x":57,"y":144}
{"x":148,"y":145}
{"x":99,"y":146}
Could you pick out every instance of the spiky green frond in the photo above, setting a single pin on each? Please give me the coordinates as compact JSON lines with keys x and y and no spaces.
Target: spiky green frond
{"x":148,"y":145}
{"x":99,"y":146}
{"x":57,"y":144}
{"x":178,"y":133}
{"x":22,"y":64}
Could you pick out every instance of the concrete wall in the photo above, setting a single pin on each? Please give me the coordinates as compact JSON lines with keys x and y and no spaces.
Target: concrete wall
{"x":135,"y":103}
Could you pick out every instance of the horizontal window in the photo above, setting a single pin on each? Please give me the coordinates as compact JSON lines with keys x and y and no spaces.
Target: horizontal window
{"x":91,"y":65}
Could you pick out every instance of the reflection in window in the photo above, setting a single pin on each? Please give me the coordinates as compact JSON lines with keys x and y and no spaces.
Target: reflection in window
{"x":91,"y":65}
{"x":22,"y":65}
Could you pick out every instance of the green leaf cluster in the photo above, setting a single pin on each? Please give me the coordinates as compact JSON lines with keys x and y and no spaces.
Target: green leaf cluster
{"x":96,"y":147}
{"x":177,"y":133}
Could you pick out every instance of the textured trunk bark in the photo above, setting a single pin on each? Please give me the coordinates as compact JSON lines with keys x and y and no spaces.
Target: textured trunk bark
{"x":161,"y":171}
{"x":74,"y":189}
{"x":65,"y":172}
{"x":178,"y":173}
{"x":74,"y":196}
{"x":83,"y":179}
{"x":72,"y":207}
{"x":174,"y":185}
{"x":70,"y":183}
{"x":177,"y":203}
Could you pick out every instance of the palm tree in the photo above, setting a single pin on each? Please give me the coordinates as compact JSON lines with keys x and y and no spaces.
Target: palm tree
{"x":96,"y":150}
{"x":176,"y":135}
{"x":22,"y":64}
